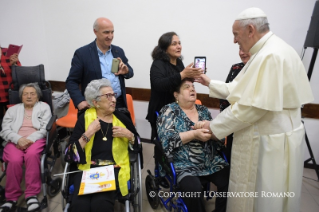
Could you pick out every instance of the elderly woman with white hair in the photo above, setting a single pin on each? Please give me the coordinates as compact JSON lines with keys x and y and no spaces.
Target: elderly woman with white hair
{"x":101,"y":136}
{"x":24,"y":132}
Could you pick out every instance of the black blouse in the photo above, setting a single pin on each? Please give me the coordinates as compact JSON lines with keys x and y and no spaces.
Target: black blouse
{"x":165,"y":77}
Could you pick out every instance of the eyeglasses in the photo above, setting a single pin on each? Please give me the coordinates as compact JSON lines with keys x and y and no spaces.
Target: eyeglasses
{"x":109,"y":96}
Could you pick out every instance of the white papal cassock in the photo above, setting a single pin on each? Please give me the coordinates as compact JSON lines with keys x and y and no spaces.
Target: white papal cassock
{"x":267,"y":151}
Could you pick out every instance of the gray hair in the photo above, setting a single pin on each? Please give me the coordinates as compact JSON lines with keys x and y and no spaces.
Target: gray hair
{"x":261,"y":24}
{"x":96,"y":25}
{"x":32,"y":85}
{"x":92,"y":90}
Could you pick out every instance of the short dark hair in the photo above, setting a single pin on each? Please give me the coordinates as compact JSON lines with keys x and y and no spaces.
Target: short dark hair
{"x":178,"y":88}
{"x":159,"y":52}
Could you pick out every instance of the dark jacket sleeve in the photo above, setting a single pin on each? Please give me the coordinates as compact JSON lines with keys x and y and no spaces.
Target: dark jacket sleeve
{"x":119,"y":52}
{"x":162,"y":78}
{"x":75,"y":78}
{"x":130,"y":73}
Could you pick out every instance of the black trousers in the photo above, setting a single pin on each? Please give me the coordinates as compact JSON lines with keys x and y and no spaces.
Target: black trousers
{"x":193,"y":184}
{"x":228,"y":148}
{"x":97,"y":202}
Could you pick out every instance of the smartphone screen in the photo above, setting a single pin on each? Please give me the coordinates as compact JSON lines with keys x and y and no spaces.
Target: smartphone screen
{"x":200,"y":62}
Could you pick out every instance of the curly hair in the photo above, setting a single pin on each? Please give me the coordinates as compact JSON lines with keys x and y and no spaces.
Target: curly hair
{"x":159,"y":52}
{"x":92,"y":90}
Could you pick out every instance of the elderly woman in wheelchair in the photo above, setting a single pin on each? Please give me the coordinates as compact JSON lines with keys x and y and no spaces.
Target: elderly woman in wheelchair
{"x":24,"y":132}
{"x":194,"y":151}
{"x":102,"y":136}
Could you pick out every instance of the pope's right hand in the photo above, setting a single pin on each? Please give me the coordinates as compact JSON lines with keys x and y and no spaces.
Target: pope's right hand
{"x":203,"y":79}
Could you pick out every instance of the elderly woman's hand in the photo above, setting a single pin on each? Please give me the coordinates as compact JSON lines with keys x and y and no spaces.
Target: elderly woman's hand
{"x":122,"y":132}
{"x":93,"y":128}
{"x":205,"y":125}
{"x":202,"y":125}
{"x":24,"y":143}
{"x":190,"y":72}
{"x":202,"y":135}
{"x":14,"y":59}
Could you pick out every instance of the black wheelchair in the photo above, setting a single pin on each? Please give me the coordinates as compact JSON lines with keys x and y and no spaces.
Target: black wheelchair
{"x":135,"y":190}
{"x":24,"y":75}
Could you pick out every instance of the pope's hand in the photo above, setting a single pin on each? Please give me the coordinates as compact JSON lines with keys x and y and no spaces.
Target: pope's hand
{"x":203,"y":79}
{"x":202,"y":125}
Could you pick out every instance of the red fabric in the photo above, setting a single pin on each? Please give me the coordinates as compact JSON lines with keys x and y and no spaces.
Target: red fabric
{"x":5,"y":78}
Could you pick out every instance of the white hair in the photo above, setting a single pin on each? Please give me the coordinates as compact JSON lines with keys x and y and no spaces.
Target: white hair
{"x":34,"y":85}
{"x":261,"y":24}
{"x":96,"y":25}
{"x":92,"y":90}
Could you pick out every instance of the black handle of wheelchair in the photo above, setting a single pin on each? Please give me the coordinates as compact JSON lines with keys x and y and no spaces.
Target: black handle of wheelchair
{"x":170,"y":158}
{"x":51,"y":122}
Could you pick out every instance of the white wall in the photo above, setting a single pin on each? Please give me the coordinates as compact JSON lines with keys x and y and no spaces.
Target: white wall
{"x":52,"y":30}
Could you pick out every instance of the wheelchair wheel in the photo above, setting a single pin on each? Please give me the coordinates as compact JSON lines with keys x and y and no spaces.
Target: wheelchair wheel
{"x":54,"y":187}
{"x":151,"y":192}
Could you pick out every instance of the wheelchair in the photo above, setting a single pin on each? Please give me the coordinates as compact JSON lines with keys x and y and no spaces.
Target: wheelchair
{"x":135,"y":190}
{"x":152,"y":182}
{"x":23,"y":75}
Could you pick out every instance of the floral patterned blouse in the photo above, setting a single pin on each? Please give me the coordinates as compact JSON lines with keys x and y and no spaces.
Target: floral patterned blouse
{"x":195,"y":158}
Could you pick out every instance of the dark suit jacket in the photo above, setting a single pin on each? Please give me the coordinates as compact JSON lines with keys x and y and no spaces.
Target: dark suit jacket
{"x":85,"y":67}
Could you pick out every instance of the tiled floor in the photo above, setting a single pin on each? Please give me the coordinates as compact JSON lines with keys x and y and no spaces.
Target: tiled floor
{"x":309,"y":201}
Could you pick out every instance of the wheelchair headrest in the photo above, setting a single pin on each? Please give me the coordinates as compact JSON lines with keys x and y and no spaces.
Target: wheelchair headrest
{"x":28,"y":74}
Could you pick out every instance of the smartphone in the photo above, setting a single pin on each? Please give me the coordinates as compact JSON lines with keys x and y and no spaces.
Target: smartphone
{"x":200,"y":62}
{"x":115,"y":65}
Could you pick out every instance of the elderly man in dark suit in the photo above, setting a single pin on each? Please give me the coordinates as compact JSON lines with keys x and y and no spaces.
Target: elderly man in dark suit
{"x":94,"y":61}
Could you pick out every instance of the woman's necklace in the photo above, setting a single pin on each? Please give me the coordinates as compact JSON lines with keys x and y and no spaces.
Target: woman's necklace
{"x":26,"y":115}
{"x":107,"y":129}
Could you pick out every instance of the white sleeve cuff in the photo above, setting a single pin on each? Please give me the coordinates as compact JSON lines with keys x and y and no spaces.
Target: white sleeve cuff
{"x":226,"y":123}
{"x":218,"y":89}
{"x":235,"y":118}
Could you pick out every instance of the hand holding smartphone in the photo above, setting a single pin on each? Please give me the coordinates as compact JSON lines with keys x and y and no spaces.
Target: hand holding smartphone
{"x":200,"y":62}
{"x":115,"y":65}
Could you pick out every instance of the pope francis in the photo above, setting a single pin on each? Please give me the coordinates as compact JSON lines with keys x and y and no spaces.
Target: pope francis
{"x":266,"y":97}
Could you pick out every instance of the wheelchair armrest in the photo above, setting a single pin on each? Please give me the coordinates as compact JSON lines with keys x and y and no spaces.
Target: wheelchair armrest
{"x":133,"y":156}
{"x":51,"y":122}
{"x":170,"y":158}
{"x":51,"y":134}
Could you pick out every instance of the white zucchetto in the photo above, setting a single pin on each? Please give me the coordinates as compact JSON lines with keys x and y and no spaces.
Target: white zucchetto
{"x":252,"y":12}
